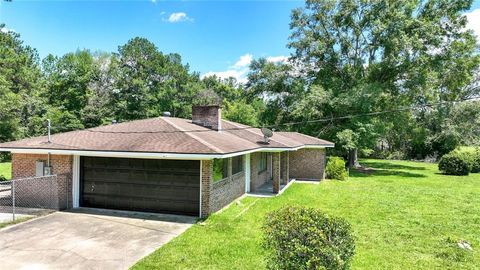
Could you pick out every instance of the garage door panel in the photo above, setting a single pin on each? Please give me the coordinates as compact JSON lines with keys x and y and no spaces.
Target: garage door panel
{"x":148,"y":205}
{"x":141,"y":184}
{"x":164,"y":192}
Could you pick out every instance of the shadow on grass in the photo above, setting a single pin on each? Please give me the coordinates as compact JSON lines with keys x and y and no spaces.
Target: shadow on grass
{"x":388,"y":166}
{"x":380,"y":172}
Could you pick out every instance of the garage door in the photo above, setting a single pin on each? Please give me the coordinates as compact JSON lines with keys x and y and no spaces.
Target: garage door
{"x":148,"y":185}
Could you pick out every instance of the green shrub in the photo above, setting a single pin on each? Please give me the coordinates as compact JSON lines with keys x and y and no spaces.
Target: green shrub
{"x":476,"y":162}
{"x":336,"y":168}
{"x":470,"y":155}
{"x":306,"y":238}
{"x":455,"y":163}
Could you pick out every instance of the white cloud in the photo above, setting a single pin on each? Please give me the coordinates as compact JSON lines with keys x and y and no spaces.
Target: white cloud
{"x":239,"y":75}
{"x":154,"y":1}
{"x":178,"y":17}
{"x":7,"y":30}
{"x":474,"y":21}
{"x":244,"y":61}
{"x":240,"y":69}
{"x":277,"y":59}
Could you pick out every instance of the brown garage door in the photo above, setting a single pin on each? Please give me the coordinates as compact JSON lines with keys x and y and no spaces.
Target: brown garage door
{"x":149,"y":185}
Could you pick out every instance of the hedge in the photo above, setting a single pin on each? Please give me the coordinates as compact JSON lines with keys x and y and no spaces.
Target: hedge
{"x":461,"y":161}
{"x":336,"y":168}
{"x":306,"y":238}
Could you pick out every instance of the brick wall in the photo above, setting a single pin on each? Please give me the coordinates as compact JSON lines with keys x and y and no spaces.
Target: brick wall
{"x":216,"y":195}
{"x":257,"y":178}
{"x":24,"y":165}
{"x":207,"y":177}
{"x":227,"y":190}
{"x":284,"y":168}
{"x":307,"y":164}
{"x":276,"y":172}
{"x":207,"y":116}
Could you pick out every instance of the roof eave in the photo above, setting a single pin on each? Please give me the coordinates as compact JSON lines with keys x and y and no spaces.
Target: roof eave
{"x":156,"y":155}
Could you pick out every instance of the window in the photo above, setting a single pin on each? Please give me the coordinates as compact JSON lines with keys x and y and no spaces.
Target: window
{"x":237,"y":164}
{"x":263,"y":162}
{"x":220,"y":169}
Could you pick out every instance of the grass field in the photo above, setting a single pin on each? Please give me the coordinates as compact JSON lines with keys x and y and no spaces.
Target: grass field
{"x":6,"y":169}
{"x":405,"y":215}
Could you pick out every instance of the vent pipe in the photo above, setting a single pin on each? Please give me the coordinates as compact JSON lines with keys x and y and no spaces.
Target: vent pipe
{"x":49,"y":127}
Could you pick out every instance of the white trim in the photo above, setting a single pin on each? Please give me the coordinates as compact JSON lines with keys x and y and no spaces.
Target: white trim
{"x":286,"y":186}
{"x":247,"y":173}
{"x":76,"y":181}
{"x":200,"y":205}
{"x":154,"y":155}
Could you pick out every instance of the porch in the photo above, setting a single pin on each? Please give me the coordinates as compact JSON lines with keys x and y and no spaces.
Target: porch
{"x":269,"y":174}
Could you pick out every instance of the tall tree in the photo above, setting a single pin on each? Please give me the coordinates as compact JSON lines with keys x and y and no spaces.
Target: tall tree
{"x":379,"y":55}
{"x":20,"y":85}
{"x":151,"y":82}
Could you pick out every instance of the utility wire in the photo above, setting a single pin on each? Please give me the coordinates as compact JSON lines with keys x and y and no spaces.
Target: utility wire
{"x":319,"y":120}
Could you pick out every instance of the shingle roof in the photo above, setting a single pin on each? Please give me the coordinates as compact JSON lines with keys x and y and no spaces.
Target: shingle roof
{"x":166,"y":135}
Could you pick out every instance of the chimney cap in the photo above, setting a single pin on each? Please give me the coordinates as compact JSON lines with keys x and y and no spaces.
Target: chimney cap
{"x":208,"y":106}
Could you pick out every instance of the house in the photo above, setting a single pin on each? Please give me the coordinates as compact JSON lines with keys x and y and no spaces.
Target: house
{"x":168,"y":164}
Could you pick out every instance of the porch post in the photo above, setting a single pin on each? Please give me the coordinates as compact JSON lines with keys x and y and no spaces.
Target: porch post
{"x":206,"y":172}
{"x":247,"y":172}
{"x":276,"y":172}
{"x":287,"y":167}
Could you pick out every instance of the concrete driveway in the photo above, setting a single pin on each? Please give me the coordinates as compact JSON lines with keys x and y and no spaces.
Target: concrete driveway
{"x":87,"y":239}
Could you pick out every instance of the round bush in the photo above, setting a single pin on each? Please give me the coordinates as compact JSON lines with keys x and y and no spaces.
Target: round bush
{"x":455,"y":164}
{"x":336,"y":168}
{"x":306,"y":238}
{"x":476,"y":161}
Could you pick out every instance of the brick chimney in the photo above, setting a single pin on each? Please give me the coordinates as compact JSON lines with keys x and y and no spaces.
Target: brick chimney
{"x":209,"y":116}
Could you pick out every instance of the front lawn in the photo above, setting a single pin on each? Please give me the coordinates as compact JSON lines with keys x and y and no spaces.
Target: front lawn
{"x":6,"y":170}
{"x":405,"y":215}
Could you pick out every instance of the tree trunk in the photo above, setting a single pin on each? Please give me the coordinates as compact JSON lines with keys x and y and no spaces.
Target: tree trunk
{"x":353,"y":158}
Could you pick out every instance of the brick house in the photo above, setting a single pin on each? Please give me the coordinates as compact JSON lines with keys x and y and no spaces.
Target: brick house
{"x":168,"y":164}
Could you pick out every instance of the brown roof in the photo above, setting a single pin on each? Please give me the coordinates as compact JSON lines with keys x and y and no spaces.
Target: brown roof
{"x":167,"y":135}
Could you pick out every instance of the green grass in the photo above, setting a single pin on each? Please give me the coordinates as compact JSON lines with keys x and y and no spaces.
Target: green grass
{"x":17,"y":220}
{"x":6,"y":170}
{"x":405,"y":215}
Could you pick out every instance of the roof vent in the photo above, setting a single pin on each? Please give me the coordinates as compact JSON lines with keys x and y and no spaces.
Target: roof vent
{"x":114,"y":121}
{"x":166,"y":114}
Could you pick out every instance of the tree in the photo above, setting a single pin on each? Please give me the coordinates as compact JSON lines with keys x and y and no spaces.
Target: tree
{"x":151,"y":82}
{"x":20,"y":85}
{"x":277,"y":85}
{"x":240,"y":112}
{"x":379,"y":55}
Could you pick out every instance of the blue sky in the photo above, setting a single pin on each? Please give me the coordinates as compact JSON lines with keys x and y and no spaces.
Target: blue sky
{"x":212,"y":36}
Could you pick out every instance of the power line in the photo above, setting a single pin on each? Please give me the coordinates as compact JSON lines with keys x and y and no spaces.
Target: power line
{"x":319,"y":120}
{"x":329,"y":119}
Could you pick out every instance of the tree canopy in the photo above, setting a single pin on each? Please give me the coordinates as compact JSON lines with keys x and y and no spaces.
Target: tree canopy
{"x":349,"y":57}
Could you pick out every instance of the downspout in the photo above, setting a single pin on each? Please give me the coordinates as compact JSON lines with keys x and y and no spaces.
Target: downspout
{"x":49,"y":141}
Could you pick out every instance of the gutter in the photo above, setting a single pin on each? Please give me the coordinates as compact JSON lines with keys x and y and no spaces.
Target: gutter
{"x":154,"y":155}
